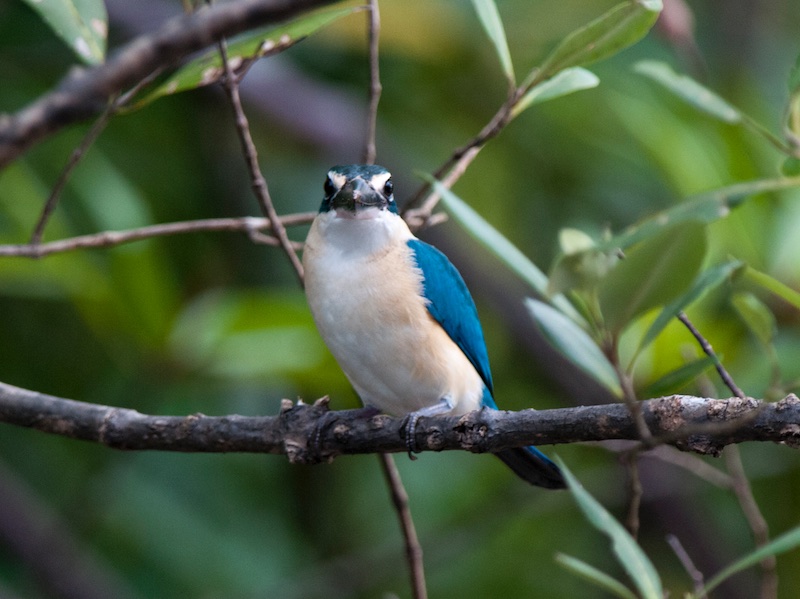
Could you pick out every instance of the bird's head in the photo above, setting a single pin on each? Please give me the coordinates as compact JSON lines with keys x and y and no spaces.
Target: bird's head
{"x":358,"y":191}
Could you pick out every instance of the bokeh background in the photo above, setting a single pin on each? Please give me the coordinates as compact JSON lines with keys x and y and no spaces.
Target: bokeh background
{"x":213,"y":323}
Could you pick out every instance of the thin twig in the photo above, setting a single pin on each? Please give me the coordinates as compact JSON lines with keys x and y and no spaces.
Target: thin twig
{"x":259,"y":184}
{"x":105,"y":239}
{"x":688,"y":565}
{"x":645,"y":436}
{"x":632,"y":403}
{"x":423,"y":216}
{"x":741,"y":484}
{"x":77,"y":154}
{"x":709,"y":351}
{"x":413,"y":548}
{"x":375,"y":88}
{"x":419,"y":209}
{"x":636,"y":490}
{"x":80,"y":151}
{"x":756,"y":520}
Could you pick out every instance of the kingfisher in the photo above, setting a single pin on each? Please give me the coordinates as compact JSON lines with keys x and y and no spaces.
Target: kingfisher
{"x":397,"y":315}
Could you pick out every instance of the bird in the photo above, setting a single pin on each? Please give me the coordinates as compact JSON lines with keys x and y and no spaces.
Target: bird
{"x":397,"y":315}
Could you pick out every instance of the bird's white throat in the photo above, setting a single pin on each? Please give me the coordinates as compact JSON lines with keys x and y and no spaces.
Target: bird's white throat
{"x":371,"y":232}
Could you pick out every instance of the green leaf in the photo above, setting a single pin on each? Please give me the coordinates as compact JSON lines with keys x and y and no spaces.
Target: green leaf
{"x":653,"y":273}
{"x":782,"y":544}
{"x":689,"y":90}
{"x":592,"y":574}
{"x":675,"y":380}
{"x":490,"y":19}
{"x":564,"y":82}
{"x":793,"y":82}
{"x":706,"y":207}
{"x":583,"y":270}
{"x":574,"y":343}
{"x":500,"y":246}
{"x":580,"y":265}
{"x":573,"y":241}
{"x":82,"y":24}
{"x":706,"y":281}
{"x":620,"y":27}
{"x":790,"y":167}
{"x":763,"y":280}
{"x":628,"y":553}
{"x":756,"y":316}
{"x":242,"y":53}
{"x":706,"y":101}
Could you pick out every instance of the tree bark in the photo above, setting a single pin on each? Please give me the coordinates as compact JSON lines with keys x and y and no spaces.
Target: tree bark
{"x":311,"y":433}
{"x":86,"y":92}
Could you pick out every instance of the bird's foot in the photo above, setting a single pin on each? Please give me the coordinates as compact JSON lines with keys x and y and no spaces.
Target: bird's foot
{"x":315,"y":446}
{"x":444,"y":405}
{"x":411,"y":429}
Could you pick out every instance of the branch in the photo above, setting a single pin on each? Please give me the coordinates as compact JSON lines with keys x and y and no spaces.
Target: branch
{"x":690,"y":423}
{"x":709,"y":351}
{"x":400,"y":503}
{"x":375,"y":87}
{"x":75,"y":158}
{"x":87,"y":92}
{"x":420,"y":207}
{"x":250,"y":154}
{"x":246,"y":224}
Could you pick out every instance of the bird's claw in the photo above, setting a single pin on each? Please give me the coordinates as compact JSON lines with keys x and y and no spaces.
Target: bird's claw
{"x":315,"y":447}
{"x":411,"y":441}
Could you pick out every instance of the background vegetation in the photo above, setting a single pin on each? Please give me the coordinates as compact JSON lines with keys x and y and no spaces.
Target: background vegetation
{"x":213,"y":323}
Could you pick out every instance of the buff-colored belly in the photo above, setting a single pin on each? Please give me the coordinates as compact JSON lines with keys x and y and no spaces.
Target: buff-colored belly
{"x":371,"y":315}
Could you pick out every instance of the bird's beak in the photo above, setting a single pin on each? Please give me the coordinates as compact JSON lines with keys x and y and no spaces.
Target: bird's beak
{"x":357,"y":195}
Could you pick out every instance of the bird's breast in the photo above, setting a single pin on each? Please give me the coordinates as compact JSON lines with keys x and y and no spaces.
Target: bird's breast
{"x":370,"y":311}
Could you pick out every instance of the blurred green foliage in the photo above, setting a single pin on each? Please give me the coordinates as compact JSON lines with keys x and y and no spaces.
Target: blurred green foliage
{"x":212,"y":323}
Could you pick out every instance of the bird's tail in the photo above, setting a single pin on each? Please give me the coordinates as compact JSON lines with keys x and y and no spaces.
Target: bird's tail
{"x":533,"y":466}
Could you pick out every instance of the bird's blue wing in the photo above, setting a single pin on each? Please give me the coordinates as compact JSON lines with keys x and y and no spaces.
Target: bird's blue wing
{"x":451,"y":305}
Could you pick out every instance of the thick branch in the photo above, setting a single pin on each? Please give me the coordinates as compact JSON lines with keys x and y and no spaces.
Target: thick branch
{"x":708,"y":424}
{"x":86,"y":92}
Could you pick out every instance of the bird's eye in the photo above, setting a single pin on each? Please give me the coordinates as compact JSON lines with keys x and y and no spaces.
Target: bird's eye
{"x":388,"y":188}
{"x":329,"y":187}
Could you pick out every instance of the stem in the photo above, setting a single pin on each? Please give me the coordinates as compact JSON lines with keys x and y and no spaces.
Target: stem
{"x":756,"y":520}
{"x":413,"y":548}
{"x":105,"y":239}
{"x":259,"y":184}
{"x":375,"y":88}
{"x":741,"y":484}
{"x":709,"y":351}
